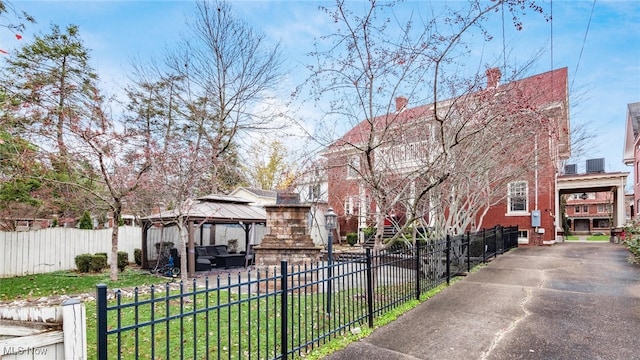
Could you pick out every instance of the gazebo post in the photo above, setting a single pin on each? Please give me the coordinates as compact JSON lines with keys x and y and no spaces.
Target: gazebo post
{"x":247,"y":230}
{"x":146,"y":225}
{"x":191,"y":251}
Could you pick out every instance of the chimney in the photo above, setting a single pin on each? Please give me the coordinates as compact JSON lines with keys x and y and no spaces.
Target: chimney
{"x":493,"y":77}
{"x":401,"y":103}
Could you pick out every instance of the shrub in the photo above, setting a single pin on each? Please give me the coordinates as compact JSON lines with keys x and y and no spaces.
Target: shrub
{"x":352,"y":238}
{"x":83,"y":262}
{"x":123,"y":260}
{"x":85,"y":221}
{"x":632,"y":240}
{"x":368,"y":232}
{"x":98,"y":262}
{"x":137,"y":256}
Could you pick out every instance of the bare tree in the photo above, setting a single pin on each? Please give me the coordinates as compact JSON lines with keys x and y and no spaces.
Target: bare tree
{"x":230,"y":71}
{"x":208,"y":92}
{"x":121,"y":164}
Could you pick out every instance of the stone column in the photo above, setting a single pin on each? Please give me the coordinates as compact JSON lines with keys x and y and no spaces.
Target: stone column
{"x":287,"y":238}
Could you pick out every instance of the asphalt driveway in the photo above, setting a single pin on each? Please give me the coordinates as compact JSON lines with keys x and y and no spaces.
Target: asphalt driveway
{"x":566,"y":301}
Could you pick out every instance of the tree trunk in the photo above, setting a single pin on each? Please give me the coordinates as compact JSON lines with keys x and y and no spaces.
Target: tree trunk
{"x":182,"y":248}
{"x":117,"y":211}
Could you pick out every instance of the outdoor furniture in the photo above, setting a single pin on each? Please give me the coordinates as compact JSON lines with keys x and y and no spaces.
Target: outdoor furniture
{"x":226,"y":260}
{"x":203,"y":253}
{"x":202,"y":264}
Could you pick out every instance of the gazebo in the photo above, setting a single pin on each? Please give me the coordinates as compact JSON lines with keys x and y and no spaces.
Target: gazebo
{"x":209,"y":210}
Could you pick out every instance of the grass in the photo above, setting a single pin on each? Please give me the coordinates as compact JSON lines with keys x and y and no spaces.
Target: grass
{"x":223,"y":324}
{"x":69,"y":282}
{"x":589,"y":238}
{"x":598,"y":238}
{"x":248,"y":327}
{"x":341,"y":342}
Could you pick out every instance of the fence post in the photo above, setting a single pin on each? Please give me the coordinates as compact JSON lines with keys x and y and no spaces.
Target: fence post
{"x":468,"y":252}
{"x":101,"y":313}
{"x":495,"y":242}
{"x":74,"y":329}
{"x":448,"y":258}
{"x":369,"y":288}
{"x":417,"y":271}
{"x":502,"y":238}
{"x":283,"y":309}
{"x":484,"y":246}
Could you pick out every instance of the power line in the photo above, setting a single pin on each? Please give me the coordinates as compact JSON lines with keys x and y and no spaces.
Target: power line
{"x":583,"y":42}
{"x":504,"y":51}
{"x":551,"y":24}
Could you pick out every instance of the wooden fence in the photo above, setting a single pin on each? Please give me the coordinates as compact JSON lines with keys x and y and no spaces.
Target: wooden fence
{"x":50,"y":332}
{"x":55,"y":249}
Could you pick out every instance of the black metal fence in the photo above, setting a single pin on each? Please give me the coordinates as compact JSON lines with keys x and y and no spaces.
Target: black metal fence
{"x":284,"y":312}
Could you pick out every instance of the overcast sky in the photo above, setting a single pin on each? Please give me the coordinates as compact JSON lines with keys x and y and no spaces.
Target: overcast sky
{"x":598,"y":41}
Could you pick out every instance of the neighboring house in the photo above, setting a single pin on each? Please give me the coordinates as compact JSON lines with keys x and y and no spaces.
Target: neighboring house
{"x":263,"y":198}
{"x":595,"y":201}
{"x":632,"y":150}
{"x":628,"y":207}
{"x":529,"y":201}
{"x":312,"y":185}
{"x":589,"y":212}
{"x":14,"y":224}
{"x":257,"y":197}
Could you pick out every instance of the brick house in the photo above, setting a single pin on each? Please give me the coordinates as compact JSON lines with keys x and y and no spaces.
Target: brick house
{"x":632,"y":150}
{"x":529,"y":201}
{"x":589,"y":212}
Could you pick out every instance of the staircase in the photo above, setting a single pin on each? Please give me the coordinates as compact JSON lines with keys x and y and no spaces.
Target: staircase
{"x":389,"y":232}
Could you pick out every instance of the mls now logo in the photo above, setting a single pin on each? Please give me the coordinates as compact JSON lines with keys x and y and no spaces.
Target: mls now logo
{"x":19,"y":350}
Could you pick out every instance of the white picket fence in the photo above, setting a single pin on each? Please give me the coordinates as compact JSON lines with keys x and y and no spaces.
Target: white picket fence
{"x":55,"y":249}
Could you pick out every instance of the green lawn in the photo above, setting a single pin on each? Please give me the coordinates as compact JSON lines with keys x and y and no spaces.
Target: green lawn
{"x":69,"y":283}
{"x":249,"y":327}
{"x":598,"y":238}
{"x":589,"y":238}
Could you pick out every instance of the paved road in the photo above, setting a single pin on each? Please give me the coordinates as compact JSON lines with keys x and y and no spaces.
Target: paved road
{"x":566,"y":301}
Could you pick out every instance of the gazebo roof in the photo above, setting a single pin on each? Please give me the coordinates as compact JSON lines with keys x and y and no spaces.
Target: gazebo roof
{"x":215,"y":208}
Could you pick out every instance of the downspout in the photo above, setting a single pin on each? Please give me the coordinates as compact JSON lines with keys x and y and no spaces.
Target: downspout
{"x":536,"y":170}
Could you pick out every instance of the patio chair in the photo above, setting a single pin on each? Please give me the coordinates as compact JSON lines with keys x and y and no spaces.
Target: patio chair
{"x":202,"y":254}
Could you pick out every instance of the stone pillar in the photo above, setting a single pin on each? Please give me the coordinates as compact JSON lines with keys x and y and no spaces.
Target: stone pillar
{"x":287,"y":238}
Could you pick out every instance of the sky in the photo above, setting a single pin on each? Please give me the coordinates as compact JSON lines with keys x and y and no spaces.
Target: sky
{"x":598,"y":41}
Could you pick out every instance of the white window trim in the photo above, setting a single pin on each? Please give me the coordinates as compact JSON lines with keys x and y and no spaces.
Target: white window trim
{"x":523,"y":240}
{"x":517,"y":212}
